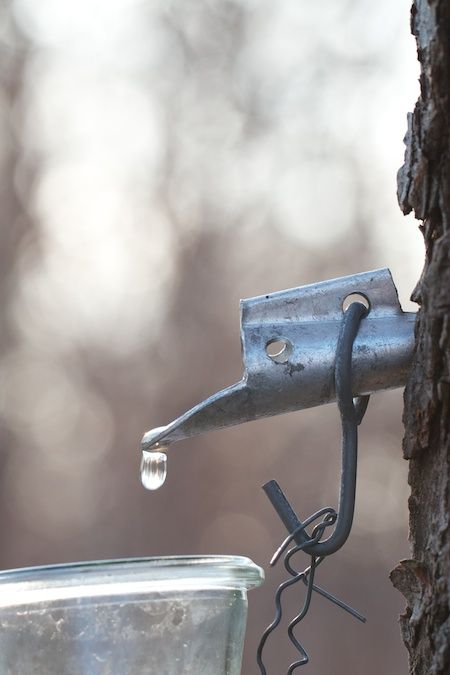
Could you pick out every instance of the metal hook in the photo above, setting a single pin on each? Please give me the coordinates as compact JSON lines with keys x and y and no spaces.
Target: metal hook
{"x":351,"y":413}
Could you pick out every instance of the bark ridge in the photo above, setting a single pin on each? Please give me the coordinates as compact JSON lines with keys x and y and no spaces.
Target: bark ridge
{"x":424,"y":189}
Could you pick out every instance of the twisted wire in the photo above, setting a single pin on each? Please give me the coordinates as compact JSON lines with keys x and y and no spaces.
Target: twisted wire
{"x":330,"y":516}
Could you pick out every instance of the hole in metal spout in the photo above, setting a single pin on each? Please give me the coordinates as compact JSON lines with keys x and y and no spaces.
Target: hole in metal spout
{"x":355,"y":297}
{"x":279,"y":350}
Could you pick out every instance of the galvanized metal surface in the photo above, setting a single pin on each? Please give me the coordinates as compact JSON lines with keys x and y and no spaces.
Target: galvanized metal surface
{"x":307,"y":321}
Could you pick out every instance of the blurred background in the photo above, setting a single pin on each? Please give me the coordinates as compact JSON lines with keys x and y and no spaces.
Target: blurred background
{"x":160,"y":160}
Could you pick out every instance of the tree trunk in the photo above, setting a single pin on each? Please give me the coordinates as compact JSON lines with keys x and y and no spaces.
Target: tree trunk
{"x":424,"y":188}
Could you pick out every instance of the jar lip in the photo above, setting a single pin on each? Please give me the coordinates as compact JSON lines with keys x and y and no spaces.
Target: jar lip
{"x":191,"y":570}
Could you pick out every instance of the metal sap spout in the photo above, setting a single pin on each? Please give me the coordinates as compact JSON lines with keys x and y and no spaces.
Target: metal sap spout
{"x":289,"y":343}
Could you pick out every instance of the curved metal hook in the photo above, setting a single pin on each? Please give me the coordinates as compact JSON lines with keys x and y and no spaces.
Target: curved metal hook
{"x":352,"y":412}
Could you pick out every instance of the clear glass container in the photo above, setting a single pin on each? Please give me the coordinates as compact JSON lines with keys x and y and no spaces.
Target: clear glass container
{"x":150,"y":616}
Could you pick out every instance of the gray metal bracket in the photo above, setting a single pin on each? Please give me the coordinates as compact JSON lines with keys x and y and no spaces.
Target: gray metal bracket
{"x":304,"y":323}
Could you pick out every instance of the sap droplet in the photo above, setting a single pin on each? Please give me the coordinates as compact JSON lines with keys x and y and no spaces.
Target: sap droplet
{"x":153,"y":468}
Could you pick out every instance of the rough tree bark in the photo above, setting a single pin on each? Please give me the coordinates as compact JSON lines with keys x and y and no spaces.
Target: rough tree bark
{"x":424,"y":188}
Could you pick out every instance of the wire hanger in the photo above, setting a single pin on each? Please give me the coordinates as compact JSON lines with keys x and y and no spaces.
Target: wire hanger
{"x":351,"y":412}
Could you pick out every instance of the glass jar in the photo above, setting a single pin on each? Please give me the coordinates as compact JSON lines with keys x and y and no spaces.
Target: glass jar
{"x":149,"y":616}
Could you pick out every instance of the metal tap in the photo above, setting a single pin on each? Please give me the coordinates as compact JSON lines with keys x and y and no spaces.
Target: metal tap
{"x":289,"y":341}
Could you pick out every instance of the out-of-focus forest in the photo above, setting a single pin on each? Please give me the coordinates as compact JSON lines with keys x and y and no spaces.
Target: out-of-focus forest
{"x":158,"y":162}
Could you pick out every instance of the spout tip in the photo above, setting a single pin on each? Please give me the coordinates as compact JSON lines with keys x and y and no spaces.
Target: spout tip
{"x":152,"y":438}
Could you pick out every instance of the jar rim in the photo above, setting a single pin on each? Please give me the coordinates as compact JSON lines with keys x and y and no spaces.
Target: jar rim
{"x":129,"y":575}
